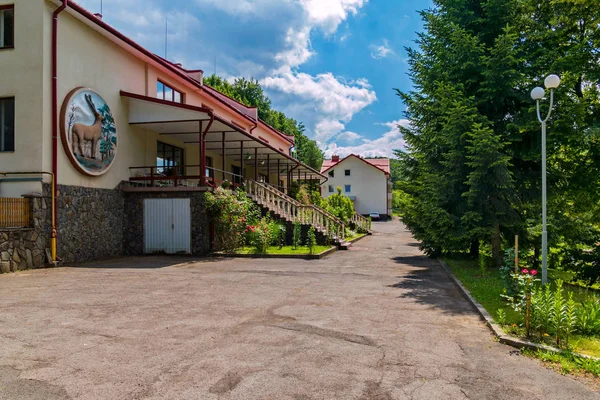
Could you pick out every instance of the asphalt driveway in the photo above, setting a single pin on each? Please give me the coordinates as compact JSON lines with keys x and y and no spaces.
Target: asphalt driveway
{"x":379,"y":321}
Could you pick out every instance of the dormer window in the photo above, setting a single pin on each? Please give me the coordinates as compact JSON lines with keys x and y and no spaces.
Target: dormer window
{"x":166,"y":92}
{"x":7,"y":23}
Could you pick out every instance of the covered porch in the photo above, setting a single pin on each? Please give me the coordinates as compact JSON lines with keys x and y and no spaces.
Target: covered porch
{"x":196,"y":148}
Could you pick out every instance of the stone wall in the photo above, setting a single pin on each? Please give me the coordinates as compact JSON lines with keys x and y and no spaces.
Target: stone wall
{"x":90,"y":222}
{"x":133,"y":225}
{"x":25,"y":248}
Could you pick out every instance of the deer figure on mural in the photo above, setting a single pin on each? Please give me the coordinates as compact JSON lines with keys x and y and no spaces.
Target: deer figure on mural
{"x":88,"y":132}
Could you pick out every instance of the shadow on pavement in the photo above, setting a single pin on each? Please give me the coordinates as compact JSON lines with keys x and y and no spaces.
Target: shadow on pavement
{"x":145,"y":262}
{"x":428,"y":284}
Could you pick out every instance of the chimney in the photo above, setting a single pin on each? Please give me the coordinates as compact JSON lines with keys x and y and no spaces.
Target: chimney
{"x":335,"y":158}
{"x":98,"y":15}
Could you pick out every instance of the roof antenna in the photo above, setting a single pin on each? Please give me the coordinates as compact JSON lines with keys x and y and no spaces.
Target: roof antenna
{"x":166,"y":36}
{"x":101,"y":7}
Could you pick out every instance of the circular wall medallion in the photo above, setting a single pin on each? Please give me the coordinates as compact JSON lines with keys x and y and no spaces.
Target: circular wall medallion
{"x":88,"y":131}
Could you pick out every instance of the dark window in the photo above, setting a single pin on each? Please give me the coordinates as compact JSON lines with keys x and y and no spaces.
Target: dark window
{"x":210,"y":172}
{"x":237,"y":172}
{"x":331,"y":173}
{"x":7,"y":32}
{"x":347,"y":172}
{"x":331,"y":189}
{"x":7,"y":124}
{"x":347,"y":188}
{"x":166,"y":92}
{"x":168,"y":158}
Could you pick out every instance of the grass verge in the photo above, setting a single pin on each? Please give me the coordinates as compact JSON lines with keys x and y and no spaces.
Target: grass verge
{"x":566,"y":362}
{"x":486,"y":287}
{"x":285,"y":250}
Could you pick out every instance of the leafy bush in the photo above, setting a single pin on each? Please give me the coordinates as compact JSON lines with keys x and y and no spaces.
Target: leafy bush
{"x":339,"y":205}
{"x":261,"y":235}
{"x":588,"y":316}
{"x":311,"y":240}
{"x":278,"y":232}
{"x":231,"y":213}
{"x":297,"y":235}
{"x":506,"y":273}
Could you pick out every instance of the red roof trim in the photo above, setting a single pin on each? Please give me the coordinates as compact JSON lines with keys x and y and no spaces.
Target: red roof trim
{"x":263,"y":139}
{"x":361,"y":159}
{"x":165,"y":102}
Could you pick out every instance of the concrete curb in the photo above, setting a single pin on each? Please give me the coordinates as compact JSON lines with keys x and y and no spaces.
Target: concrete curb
{"x":497,"y":329}
{"x":356,"y":239}
{"x":296,"y":256}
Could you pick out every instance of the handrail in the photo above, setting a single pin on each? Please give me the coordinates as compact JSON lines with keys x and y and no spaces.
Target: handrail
{"x":361,"y":222}
{"x":294,"y":211}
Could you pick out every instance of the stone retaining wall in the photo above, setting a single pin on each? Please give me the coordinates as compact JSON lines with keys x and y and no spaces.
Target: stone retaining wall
{"x":25,"y":248}
{"x":90,"y":222}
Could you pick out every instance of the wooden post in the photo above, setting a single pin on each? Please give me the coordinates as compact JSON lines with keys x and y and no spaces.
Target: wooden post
{"x":516,"y":254}
{"x":279,"y":177}
{"x":242,"y":162}
{"x":256,"y":164}
{"x":223,"y":156}
{"x":268,"y":169}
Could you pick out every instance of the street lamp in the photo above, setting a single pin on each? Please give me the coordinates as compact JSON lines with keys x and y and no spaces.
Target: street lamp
{"x":551,"y":82}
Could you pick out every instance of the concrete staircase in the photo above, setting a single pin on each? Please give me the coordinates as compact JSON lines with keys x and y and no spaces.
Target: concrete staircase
{"x":291,"y":210}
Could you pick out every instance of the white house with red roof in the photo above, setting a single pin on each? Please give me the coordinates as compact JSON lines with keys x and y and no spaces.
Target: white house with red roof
{"x":365,"y":180}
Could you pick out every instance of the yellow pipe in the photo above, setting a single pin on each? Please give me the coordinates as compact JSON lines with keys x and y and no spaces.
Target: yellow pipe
{"x":54,"y":233}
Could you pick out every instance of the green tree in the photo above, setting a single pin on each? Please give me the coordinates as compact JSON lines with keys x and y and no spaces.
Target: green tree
{"x":340,"y":205}
{"x":250,"y":93}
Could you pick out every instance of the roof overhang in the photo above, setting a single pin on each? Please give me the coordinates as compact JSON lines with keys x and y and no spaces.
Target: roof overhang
{"x":188,"y":123}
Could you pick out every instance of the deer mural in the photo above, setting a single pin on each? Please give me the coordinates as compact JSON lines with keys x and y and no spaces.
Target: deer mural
{"x":87,"y":132}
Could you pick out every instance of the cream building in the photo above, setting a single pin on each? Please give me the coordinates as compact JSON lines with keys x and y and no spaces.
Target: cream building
{"x":116,"y":125}
{"x":365,"y":180}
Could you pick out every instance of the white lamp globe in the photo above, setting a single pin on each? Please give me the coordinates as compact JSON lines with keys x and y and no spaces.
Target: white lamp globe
{"x":552,"y":81}
{"x":538,"y":93}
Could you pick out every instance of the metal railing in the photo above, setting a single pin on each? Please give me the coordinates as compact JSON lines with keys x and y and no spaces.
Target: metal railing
{"x":15,"y":212}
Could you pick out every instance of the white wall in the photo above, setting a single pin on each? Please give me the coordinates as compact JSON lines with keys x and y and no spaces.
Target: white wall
{"x":21,"y":71}
{"x":368,"y":184}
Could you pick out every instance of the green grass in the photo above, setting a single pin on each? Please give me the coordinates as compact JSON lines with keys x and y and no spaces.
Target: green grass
{"x":285,"y":250}
{"x":566,"y":362}
{"x":353,"y":235}
{"x":487,"y":287}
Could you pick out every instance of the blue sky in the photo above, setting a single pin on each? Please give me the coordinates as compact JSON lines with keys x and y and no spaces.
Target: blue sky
{"x":331,"y":64}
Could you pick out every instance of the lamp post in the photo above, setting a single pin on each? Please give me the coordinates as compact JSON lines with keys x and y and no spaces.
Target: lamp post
{"x":551,"y":82}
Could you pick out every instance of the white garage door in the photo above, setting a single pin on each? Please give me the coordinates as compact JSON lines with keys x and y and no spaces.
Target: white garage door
{"x":167,"y":226}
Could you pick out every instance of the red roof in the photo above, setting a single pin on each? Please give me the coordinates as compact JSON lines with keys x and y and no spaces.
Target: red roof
{"x":382,"y":164}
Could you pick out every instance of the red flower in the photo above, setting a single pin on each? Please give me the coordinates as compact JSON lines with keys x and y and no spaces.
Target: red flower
{"x":533,"y":272}
{"x":525,"y":271}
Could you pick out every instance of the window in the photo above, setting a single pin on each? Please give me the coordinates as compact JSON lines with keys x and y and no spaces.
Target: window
{"x":166,"y":92}
{"x":7,"y":124}
{"x":7,"y":32}
{"x":210,"y":172}
{"x":331,"y":173}
{"x":331,"y":189}
{"x":237,"y":174}
{"x":347,"y":188}
{"x":347,"y":172}
{"x":168,"y":158}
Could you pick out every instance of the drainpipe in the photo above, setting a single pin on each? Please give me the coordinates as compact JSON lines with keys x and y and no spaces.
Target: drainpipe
{"x":55,"y":122}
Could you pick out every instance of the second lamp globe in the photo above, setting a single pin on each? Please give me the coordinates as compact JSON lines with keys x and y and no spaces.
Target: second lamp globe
{"x":552,"y":81}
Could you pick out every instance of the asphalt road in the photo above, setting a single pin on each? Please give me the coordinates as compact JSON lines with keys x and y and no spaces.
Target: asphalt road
{"x":379,"y":321}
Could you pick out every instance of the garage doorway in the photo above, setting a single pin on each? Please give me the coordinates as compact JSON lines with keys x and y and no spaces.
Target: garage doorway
{"x":167,"y":226}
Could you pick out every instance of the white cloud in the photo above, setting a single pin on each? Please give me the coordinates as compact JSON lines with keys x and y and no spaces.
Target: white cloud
{"x":348,"y":137}
{"x":333,"y":101}
{"x":383,"y":146}
{"x":328,"y":14}
{"x":298,"y":51}
{"x":381,"y":51}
